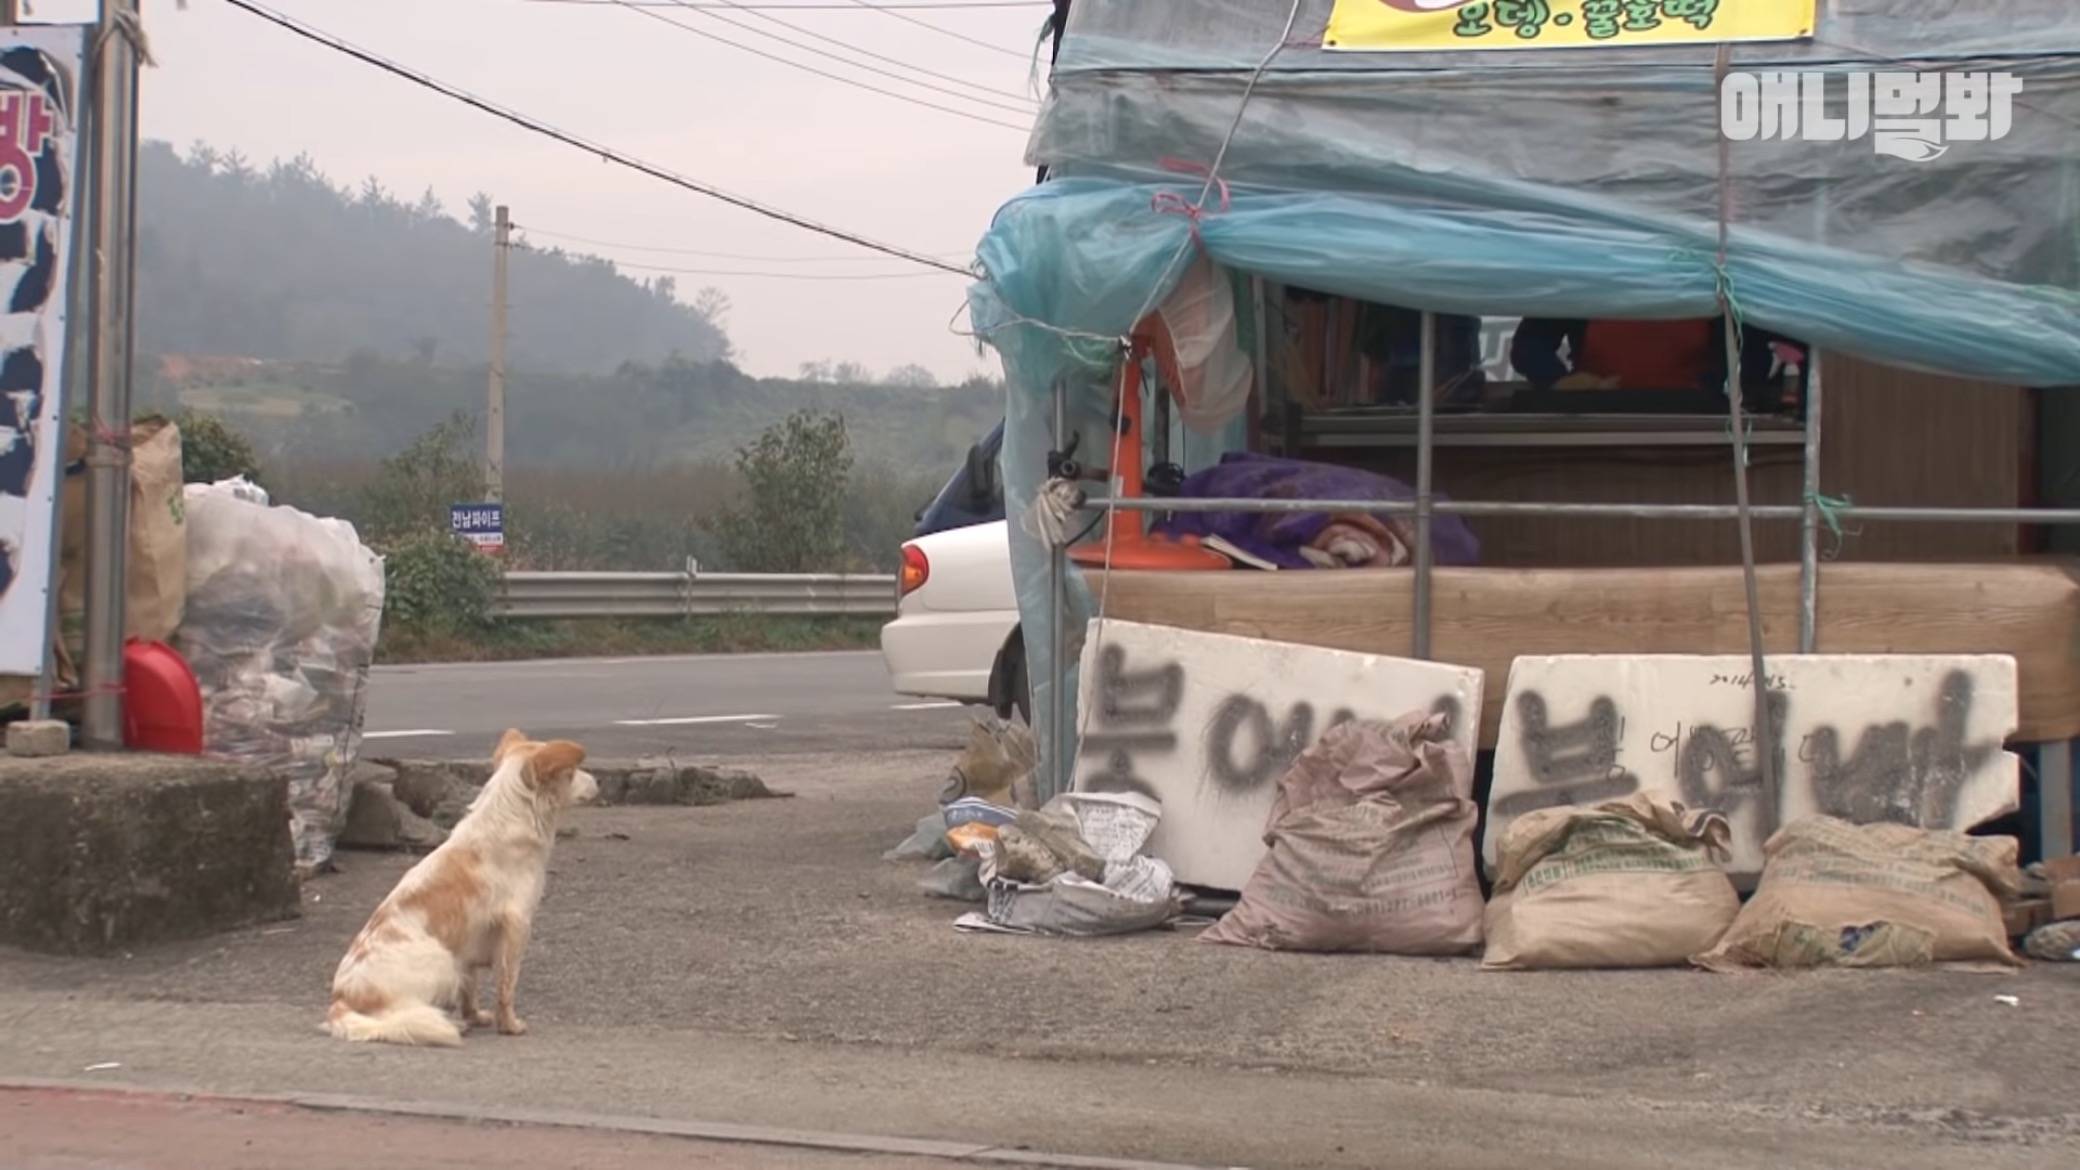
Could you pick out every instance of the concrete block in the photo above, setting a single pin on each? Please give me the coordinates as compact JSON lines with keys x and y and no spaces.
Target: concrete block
{"x":659,"y":781}
{"x":1207,"y":723}
{"x":376,"y":819}
{"x":2025,"y":915}
{"x":102,"y":854}
{"x":2065,"y":900}
{"x":38,"y":738}
{"x":441,"y":790}
{"x":1907,"y":739}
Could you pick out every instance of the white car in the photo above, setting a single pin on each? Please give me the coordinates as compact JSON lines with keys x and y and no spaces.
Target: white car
{"x":956,"y":633}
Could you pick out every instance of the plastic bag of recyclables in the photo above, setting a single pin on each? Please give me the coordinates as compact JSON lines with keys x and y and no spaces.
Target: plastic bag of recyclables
{"x":1631,"y":883}
{"x":1836,"y":894}
{"x":1371,"y":848}
{"x":1075,"y":867}
{"x":283,"y":613}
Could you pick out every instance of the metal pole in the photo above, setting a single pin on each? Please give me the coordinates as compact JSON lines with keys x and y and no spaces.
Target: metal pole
{"x":1787,"y":512}
{"x":1809,"y":523}
{"x":113,"y":118}
{"x":77,"y":385}
{"x":495,"y":405}
{"x":2055,"y":798}
{"x":1765,"y":756}
{"x":1060,"y":769}
{"x":1426,"y":409}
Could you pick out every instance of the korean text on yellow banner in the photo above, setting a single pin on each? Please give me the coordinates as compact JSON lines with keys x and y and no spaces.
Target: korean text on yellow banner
{"x":1430,"y":26}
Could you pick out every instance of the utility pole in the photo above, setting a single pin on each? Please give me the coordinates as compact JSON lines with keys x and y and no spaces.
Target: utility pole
{"x":495,"y":408}
{"x":112,"y":203}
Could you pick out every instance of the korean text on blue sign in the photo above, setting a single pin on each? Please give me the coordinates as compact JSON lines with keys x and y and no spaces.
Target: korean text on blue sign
{"x":483,"y":525}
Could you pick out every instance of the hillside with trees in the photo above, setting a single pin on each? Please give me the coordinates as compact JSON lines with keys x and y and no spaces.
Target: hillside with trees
{"x":341,"y":324}
{"x":341,"y":333}
{"x":279,"y":262}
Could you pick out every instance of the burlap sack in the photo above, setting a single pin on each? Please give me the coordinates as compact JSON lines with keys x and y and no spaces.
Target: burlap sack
{"x":1371,"y":848}
{"x":1631,"y":883}
{"x":1843,"y":895}
{"x":156,"y":576}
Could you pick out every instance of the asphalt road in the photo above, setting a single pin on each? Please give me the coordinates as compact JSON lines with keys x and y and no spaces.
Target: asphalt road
{"x":72,"y":1130}
{"x":705,"y":705}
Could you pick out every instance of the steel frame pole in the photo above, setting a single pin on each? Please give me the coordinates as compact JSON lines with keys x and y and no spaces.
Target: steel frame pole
{"x":113,"y":119}
{"x":1426,"y":420}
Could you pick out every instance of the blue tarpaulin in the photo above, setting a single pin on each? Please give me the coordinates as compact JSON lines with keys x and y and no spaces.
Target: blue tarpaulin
{"x":1572,"y":183}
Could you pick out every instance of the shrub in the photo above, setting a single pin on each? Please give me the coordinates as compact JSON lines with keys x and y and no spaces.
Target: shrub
{"x":412,"y":492}
{"x":791,"y":516}
{"x":211,"y":450}
{"x":438,"y":583}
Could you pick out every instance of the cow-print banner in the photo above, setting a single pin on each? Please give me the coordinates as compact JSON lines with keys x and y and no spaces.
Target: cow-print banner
{"x":39,"y":115}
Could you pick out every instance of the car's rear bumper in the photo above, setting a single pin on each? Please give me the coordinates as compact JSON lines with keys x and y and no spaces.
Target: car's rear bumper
{"x":945,"y":655}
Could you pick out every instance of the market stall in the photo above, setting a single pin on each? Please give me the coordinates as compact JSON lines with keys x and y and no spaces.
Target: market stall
{"x":1614,"y":179}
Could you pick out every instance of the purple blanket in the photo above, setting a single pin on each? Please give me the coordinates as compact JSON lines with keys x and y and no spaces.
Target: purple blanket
{"x":1278,"y":536}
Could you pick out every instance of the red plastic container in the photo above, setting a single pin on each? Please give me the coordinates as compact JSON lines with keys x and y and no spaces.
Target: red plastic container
{"x":162,"y":702}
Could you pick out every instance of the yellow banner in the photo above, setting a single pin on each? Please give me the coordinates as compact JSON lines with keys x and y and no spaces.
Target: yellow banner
{"x":1430,"y":26}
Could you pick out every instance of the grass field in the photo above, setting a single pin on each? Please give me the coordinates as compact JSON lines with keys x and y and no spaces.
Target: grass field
{"x":630,"y":637}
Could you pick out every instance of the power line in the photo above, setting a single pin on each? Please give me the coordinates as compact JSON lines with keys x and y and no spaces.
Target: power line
{"x":586,"y":240}
{"x":1026,"y":109}
{"x":606,"y":154}
{"x":837,"y":77}
{"x":947,"y":5}
{"x":894,"y":14}
{"x":771,"y":275}
{"x":850,"y":48}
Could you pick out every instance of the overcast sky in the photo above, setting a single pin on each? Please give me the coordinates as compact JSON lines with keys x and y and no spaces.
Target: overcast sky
{"x":898,"y":172}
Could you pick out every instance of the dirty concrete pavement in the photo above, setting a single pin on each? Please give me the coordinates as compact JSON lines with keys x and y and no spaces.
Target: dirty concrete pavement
{"x":759,"y":964}
{"x":118,"y":1131}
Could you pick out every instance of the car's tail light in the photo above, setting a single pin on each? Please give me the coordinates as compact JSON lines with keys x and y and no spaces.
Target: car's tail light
{"x":916,"y":570}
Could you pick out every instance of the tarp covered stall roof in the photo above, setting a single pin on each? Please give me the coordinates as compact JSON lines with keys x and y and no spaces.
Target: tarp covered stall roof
{"x":1579,"y":182}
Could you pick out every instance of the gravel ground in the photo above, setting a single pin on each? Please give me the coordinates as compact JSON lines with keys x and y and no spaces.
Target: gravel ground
{"x":760,"y":962}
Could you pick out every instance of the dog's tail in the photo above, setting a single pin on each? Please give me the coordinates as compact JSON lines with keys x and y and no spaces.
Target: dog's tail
{"x":406,"y":1023}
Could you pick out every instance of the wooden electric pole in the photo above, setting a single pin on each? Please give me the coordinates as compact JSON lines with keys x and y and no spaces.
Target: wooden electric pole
{"x":495,"y":410}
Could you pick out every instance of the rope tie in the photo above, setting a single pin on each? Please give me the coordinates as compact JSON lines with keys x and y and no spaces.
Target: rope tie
{"x":1174,"y":203}
{"x":1053,"y":508}
{"x":81,"y":693}
{"x":100,"y":434}
{"x":128,"y":23}
{"x":1831,"y":509}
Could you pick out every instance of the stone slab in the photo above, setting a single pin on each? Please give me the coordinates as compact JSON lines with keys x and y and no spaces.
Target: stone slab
{"x":442,"y":790}
{"x":1489,"y":616}
{"x":377,"y":819}
{"x":1207,"y":723}
{"x":38,"y":738}
{"x":1911,"y":739}
{"x":106,"y":853}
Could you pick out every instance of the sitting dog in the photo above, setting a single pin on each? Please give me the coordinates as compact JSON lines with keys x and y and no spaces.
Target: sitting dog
{"x":465,"y":907}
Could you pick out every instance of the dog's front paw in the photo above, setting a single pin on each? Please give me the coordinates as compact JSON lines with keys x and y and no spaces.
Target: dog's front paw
{"x":511,"y":1025}
{"x":481,"y":1020}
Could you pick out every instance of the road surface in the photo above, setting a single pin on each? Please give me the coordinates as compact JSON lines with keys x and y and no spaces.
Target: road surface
{"x":704,"y":705}
{"x":83,"y":1130}
{"x":760,"y":964}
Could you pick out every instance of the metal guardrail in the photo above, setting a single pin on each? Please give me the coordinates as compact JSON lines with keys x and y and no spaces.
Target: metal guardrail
{"x":572,"y":595}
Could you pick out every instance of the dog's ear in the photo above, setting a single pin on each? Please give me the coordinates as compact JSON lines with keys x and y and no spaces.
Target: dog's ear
{"x":554,"y":762}
{"x":513,"y":738}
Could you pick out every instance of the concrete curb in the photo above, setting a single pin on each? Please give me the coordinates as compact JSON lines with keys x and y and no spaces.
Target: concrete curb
{"x":969,"y":1153}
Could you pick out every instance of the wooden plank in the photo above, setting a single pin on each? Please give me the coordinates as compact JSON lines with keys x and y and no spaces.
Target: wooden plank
{"x":1904,"y":438}
{"x":1486,"y":617}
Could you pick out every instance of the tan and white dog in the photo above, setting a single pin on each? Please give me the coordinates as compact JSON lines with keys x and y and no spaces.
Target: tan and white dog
{"x":466,"y":907}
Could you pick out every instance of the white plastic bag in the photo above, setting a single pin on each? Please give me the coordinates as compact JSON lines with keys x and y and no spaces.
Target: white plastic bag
{"x":1215,"y":374}
{"x":283,"y":613}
